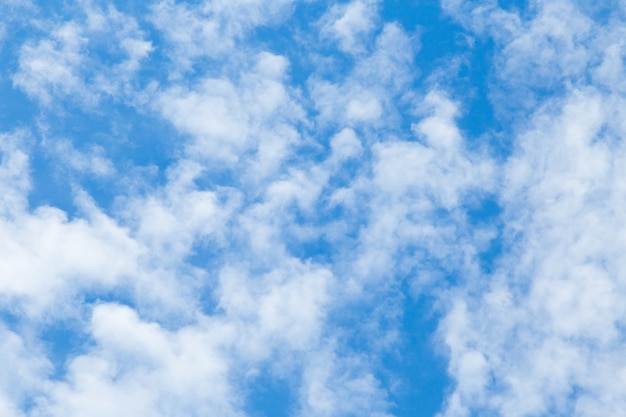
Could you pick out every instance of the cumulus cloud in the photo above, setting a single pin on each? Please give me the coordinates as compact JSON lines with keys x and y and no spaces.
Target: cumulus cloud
{"x":305,"y":204}
{"x":534,"y":339}
{"x":350,"y":25}
{"x":561,"y":285}
{"x":375,"y":81}
{"x":25,"y":371}
{"x":227,"y":122}
{"x":330,"y":380}
{"x":412,"y":180}
{"x":211,"y":29}
{"x":51,"y":66}
{"x":71,"y":59}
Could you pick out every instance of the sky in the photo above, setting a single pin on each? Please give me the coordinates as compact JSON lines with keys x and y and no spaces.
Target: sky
{"x":306,"y":208}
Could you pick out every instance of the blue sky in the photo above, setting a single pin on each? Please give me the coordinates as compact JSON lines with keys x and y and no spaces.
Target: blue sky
{"x":312,"y":209}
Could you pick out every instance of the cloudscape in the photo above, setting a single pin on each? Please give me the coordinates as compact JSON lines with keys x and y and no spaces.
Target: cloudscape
{"x":306,"y":208}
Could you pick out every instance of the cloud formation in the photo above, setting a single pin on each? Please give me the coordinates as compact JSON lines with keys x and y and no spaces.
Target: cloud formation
{"x":247,"y":201}
{"x":539,"y":337}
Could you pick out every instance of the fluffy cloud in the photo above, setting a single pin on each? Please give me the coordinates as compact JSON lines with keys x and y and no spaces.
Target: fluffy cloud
{"x":537,"y":338}
{"x":350,"y":25}
{"x":305,"y":204}
{"x":139,"y":368}
{"x":25,"y":370}
{"x":96,"y":54}
{"x":211,"y":29}
{"x":376,"y":79}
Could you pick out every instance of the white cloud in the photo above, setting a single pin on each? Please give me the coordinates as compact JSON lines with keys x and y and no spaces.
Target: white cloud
{"x":25,"y":368}
{"x":350,"y":24}
{"x":51,"y":66}
{"x":344,"y":145}
{"x":411,"y":181}
{"x":66,"y":62}
{"x":368,"y":92}
{"x":230,"y":123}
{"x":194,"y":331}
{"x":14,"y":179}
{"x":139,"y":368}
{"x":170,"y":351}
{"x":212,"y":29}
{"x":552,"y":47}
{"x":47,"y":258}
{"x":528,"y":339}
{"x":486,"y":17}
{"x":92,"y":162}
{"x":539,"y":336}
{"x":171,"y":220}
{"x":282,"y":310}
{"x":336,"y":386}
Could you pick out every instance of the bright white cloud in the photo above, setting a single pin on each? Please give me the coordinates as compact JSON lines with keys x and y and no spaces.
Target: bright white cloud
{"x":139,"y":368}
{"x":190,"y":291}
{"x":350,"y":24}
{"x":339,"y":386}
{"x":72,"y":59}
{"x":229,"y":123}
{"x":25,"y":371}
{"x":211,"y":29}
{"x":411,"y":181}
{"x":537,"y":339}
{"x":377,"y":79}
{"x":52,"y":66}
